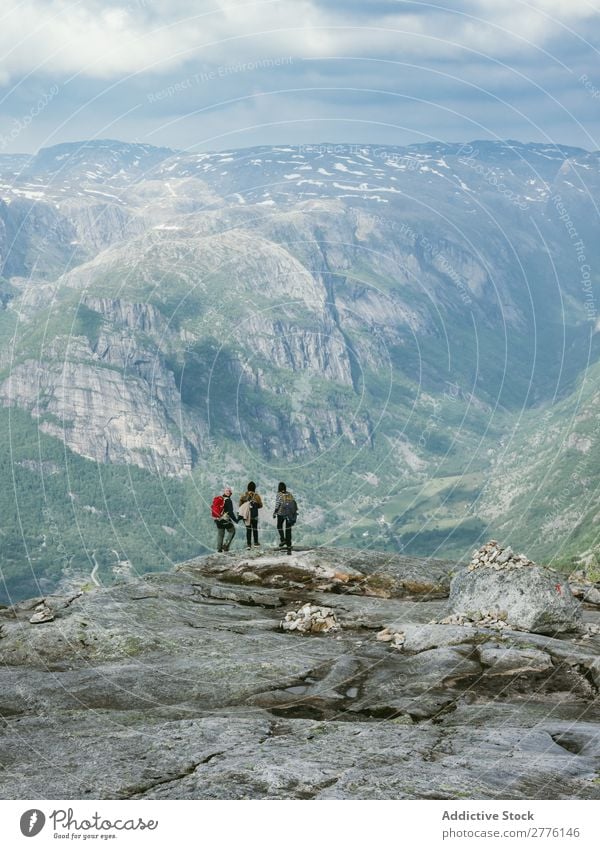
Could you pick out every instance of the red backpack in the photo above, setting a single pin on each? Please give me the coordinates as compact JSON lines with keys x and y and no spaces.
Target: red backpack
{"x":217,"y":507}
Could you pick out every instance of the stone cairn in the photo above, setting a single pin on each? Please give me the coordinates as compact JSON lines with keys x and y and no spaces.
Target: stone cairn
{"x":396,"y":639}
{"x":479,"y":619}
{"x":310,"y":619}
{"x":493,"y":556}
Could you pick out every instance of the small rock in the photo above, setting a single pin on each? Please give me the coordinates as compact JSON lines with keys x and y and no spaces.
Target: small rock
{"x":341,"y":576}
{"x":250,"y":578}
{"x":592,"y":596}
{"x":395,"y":638}
{"x":588,"y":630}
{"x":42,"y":614}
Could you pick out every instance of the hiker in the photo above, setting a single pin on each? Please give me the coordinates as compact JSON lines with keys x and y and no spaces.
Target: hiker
{"x":250,"y":504}
{"x":222,"y":513}
{"x":286,"y":512}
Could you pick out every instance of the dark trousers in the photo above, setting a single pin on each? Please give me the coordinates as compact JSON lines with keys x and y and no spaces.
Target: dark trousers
{"x":252,"y":530}
{"x":287,"y":538}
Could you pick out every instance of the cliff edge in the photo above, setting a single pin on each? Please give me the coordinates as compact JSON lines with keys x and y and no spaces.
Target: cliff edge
{"x":325,"y":674}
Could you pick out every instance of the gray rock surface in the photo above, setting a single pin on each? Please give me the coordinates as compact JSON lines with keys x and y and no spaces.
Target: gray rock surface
{"x":376,"y":573}
{"x":184,"y":685}
{"x":503,"y":661}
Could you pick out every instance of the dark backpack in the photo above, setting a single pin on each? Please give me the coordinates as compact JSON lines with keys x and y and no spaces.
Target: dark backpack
{"x":288,"y":507}
{"x":217,"y":507}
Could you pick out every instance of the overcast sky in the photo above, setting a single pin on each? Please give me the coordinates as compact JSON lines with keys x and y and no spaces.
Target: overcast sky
{"x":211,"y":74}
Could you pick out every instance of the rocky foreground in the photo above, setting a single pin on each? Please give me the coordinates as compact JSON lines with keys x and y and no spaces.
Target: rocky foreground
{"x":327,"y":674}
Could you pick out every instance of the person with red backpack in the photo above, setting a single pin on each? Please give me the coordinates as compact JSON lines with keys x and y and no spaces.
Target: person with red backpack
{"x":224,"y":517}
{"x":286,"y":513}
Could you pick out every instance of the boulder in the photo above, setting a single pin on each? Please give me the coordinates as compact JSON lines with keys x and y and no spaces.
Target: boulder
{"x":528,"y":597}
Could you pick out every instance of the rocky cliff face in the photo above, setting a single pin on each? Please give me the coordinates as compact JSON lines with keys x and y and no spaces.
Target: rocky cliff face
{"x":311,"y":676}
{"x":113,"y":400}
{"x":105,"y":418}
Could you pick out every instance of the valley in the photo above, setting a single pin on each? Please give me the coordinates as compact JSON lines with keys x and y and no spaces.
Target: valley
{"x":407,"y":336}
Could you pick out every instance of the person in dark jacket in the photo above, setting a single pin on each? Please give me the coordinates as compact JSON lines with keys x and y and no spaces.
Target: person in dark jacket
{"x":226,"y":523}
{"x":252,"y":497}
{"x":285,"y":512}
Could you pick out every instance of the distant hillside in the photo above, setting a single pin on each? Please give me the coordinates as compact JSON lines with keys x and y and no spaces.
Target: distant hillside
{"x":399,"y":333}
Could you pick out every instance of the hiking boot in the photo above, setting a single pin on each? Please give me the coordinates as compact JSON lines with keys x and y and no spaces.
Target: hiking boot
{"x":226,"y":547}
{"x":281,"y":545}
{"x":248,"y":547}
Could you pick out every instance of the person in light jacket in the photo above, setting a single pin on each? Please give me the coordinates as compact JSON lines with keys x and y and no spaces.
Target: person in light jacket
{"x":253,"y":499}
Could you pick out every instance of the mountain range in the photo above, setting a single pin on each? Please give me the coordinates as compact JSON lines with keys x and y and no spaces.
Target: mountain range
{"x":406,"y":335}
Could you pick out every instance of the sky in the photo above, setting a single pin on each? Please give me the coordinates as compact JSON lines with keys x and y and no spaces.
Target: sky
{"x":210,"y":74}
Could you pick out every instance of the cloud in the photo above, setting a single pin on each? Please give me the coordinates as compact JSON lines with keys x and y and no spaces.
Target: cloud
{"x":106,"y":39}
{"x":359,"y":70}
